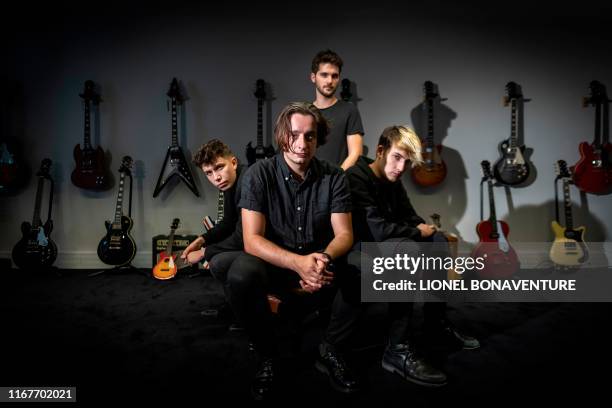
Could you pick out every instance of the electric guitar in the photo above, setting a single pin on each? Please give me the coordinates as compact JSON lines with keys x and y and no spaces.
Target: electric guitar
{"x":433,"y":169}
{"x":568,"y":248}
{"x":511,"y":168}
{"x":500,"y":259}
{"x":166,"y":267}
{"x":90,"y":172}
{"x":259,"y":152}
{"x":175,"y":164}
{"x":118,"y":247}
{"x":36,"y":249}
{"x":593,"y":172}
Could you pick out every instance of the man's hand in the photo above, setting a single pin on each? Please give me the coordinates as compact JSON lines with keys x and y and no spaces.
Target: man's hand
{"x":312,"y":268}
{"x":426,"y":230}
{"x":193,"y":252}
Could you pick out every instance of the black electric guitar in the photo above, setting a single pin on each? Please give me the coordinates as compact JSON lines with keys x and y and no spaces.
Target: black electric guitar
{"x":512,"y":168}
{"x":118,"y":247}
{"x":175,"y":164}
{"x":36,"y":249}
{"x":90,"y":172}
{"x":260,"y":151}
{"x":568,"y":248}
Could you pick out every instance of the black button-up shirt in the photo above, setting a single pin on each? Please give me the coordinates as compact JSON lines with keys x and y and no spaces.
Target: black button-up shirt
{"x":298,"y":214}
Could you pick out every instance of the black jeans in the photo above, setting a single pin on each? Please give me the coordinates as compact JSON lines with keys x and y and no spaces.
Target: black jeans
{"x":399,"y":315}
{"x":249,"y":281}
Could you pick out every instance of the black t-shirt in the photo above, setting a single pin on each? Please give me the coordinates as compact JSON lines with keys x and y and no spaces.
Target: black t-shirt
{"x":344,"y":119}
{"x":298,"y":215}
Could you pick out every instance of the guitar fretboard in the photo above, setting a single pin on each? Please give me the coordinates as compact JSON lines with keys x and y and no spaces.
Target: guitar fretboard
{"x":429,"y":141}
{"x":492,"y":214}
{"x":174,"y":123}
{"x":87,"y":129}
{"x":514,"y":123}
{"x":569,"y":224}
{"x":119,"y":206}
{"x":39,"y":190}
{"x":220,"y":206}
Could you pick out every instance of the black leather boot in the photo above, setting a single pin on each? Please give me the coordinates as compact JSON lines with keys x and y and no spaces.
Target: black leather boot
{"x":402,"y":359}
{"x":331,"y":363}
{"x":261,"y":387}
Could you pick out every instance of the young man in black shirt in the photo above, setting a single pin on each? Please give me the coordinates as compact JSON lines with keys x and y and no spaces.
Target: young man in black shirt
{"x":382,"y":212}
{"x":296,"y":224}
{"x":345,"y":141}
{"x":221,"y":168}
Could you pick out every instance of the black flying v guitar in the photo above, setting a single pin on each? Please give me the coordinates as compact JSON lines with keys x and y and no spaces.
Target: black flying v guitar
{"x":512,"y":169}
{"x":260,"y":151}
{"x":175,"y":163}
{"x":118,"y":247}
{"x":36,"y":249}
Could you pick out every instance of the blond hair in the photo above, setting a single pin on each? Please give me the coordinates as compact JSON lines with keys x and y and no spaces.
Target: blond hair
{"x":406,"y":139}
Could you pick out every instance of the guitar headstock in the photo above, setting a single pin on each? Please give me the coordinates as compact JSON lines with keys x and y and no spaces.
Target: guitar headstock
{"x":175,"y":91}
{"x":598,"y":94}
{"x":346,"y":93}
{"x":126,"y":164}
{"x":513,"y":92}
{"x":562,"y":170}
{"x":486,"y":170}
{"x":175,"y":224}
{"x":45,"y":165}
{"x":260,"y":89}
{"x":89,"y":92}
{"x":429,"y":88}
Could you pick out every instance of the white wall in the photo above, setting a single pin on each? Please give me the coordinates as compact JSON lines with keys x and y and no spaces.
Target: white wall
{"x":218,"y":55}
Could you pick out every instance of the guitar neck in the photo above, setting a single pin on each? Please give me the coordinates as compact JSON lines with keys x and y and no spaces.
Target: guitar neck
{"x":514,"y":123}
{"x":119,"y":206}
{"x":220,"y":206}
{"x":170,"y":242}
{"x":174,"y":123}
{"x":492,"y":214}
{"x":39,"y":190}
{"x":260,"y":122}
{"x":568,"y":205}
{"x":87,"y":129}
{"x":430,"y":124}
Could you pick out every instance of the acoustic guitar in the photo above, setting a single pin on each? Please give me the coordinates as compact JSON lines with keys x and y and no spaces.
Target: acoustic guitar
{"x":433,"y":169}
{"x":500,"y":259}
{"x":568,"y":248}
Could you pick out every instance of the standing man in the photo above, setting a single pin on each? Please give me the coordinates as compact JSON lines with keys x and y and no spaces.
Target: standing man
{"x":297,"y":230}
{"x":382,"y":212}
{"x":221,"y":168}
{"x":345,"y":142}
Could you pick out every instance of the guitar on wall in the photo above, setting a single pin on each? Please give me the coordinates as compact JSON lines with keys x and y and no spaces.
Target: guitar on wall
{"x":500,"y":259}
{"x":166,"y":267}
{"x":175,"y":164}
{"x":433,"y":169}
{"x":260,"y":151}
{"x":118,"y":247}
{"x":512,"y":169}
{"x":593,"y":172}
{"x":568,"y":248}
{"x":90,"y":172}
{"x":36,"y":249}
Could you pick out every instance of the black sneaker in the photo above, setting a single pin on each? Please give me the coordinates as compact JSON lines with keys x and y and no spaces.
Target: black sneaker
{"x":332,"y":364}
{"x":261,"y":387}
{"x":401,"y":359}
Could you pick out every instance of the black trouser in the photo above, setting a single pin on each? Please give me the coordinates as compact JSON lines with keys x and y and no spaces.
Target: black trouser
{"x":400,"y":314}
{"x":219,"y":266}
{"x":250,"y":279}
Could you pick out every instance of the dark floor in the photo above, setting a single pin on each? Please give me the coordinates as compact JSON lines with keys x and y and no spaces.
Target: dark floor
{"x":130,"y":337}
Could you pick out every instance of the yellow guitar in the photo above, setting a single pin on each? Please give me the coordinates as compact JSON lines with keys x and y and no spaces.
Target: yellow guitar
{"x":568,"y":248}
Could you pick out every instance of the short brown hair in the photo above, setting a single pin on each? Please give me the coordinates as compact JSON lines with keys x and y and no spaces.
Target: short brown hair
{"x":282,"y":128}
{"x":326,"y":57}
{"x":209,"y":152}
{"x":405,"y":138}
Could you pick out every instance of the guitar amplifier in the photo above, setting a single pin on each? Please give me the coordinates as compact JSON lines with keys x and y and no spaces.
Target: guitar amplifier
{"x":160,"y":242}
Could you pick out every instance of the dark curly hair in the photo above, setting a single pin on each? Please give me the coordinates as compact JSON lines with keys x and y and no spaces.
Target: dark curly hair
{"x":209,"y":152}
